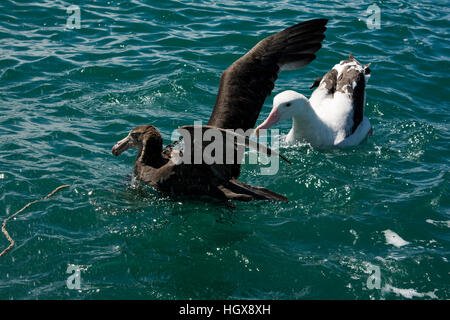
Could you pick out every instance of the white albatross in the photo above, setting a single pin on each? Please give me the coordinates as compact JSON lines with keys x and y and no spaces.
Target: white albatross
{"x":334,"y":114}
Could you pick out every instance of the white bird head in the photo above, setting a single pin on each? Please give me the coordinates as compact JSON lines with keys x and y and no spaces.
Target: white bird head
{"x":286,"y":105}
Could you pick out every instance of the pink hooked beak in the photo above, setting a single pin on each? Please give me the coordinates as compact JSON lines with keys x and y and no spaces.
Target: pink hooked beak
{"x":273,"y":118}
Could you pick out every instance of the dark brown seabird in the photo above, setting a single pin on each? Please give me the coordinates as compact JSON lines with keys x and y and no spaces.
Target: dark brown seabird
{"x":244,"y":86}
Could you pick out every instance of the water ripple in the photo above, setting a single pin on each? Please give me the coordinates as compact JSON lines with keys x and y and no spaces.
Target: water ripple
{"x":66,"y":96}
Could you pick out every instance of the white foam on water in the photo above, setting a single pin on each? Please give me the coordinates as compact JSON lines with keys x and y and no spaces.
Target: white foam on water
{"x":439,"y":223}
{"x":355,"y":234}
{"x":394,"y":239}
{"x":408,"y":293}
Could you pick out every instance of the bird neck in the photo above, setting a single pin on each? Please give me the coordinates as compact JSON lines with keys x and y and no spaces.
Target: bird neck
{"x":150,"y":154}
{"x":306,"y":122}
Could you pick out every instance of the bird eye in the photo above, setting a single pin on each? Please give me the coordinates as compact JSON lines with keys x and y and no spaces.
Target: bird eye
{"x":288,"y":104}
{"x":134,"y":135}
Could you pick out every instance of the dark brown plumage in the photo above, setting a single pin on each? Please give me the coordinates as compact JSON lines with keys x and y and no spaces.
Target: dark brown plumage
{"x":244,"y":86}
{"x":183,"y":179}
{"x":249,"y":81}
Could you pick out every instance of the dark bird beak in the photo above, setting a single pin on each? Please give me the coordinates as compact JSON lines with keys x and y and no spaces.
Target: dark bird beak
{"x":316,"y":83}
{"x":367,"y":69}
{"x":122,"y":146}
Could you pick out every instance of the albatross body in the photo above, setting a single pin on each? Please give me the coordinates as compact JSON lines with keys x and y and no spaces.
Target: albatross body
{"x":333,"y":115}
{"x":243,"y":89}
{"x":167,"y":174}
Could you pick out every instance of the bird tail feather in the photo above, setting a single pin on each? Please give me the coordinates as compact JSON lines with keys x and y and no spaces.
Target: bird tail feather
{"x":237,"y":190}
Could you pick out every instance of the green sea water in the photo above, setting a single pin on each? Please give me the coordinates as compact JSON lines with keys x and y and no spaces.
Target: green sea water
{"x":67,"y":95}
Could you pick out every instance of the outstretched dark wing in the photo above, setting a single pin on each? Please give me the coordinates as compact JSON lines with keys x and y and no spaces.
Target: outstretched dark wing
{"x":248,"y":81}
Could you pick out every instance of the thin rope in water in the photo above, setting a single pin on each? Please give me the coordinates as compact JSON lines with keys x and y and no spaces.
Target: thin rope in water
{"x":11,"y":240}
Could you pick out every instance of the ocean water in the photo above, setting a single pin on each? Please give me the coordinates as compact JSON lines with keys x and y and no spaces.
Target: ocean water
{"x":370,"y":222}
